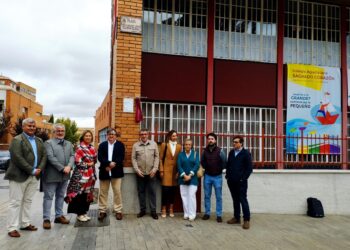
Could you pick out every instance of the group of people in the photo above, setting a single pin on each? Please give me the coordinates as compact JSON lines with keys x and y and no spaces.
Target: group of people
{"x":69,"y":175}
{"x":179,"y":166}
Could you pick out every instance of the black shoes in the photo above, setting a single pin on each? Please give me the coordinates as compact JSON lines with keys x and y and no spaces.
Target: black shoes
{"x":154,"y":215}
{"x":219,"y":219}
{"x":141,"y":214}
{"x":206,"y":217}
{"x":102,"y":216}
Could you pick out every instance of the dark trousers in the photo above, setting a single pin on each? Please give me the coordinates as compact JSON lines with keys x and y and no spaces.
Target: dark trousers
{"x":148,"y":184}
{"x":79,"y":204}
{"x":168,"y":195}
{"x":238,"y":191}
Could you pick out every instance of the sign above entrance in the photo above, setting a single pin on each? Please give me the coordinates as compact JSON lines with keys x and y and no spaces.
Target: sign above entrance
{"x":131,"y":25}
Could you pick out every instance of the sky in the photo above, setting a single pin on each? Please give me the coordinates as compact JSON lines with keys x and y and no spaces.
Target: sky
{"x":61,"y":48}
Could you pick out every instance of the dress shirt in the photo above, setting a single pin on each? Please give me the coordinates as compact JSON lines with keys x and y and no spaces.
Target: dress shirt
{"x":32,"y":142}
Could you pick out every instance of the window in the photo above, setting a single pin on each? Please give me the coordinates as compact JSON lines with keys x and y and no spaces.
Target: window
{"x":258,"y":125}
{"x":312,"y":33}
{"x":176,"y":27}
{"x":186,"y":119}
{"x":246,"y":30}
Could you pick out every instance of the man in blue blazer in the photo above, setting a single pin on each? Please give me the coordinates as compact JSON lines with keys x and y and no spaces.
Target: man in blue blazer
{"x":239,"y":168}
{"x":111,"y":156}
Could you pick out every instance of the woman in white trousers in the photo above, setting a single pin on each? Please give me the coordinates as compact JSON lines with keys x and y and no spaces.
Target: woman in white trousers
{"x":187,"y":165}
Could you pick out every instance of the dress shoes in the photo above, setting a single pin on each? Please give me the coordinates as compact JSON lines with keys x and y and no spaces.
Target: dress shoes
{"x":219,"y":219}
{"x":14,"y":234}
{"x":47,"y":224}
{"x":102,"y":216}
{"x":61,"y":220}
{"x":154,"y":215}
{"x":246,"y":224}
{"x":29,"y":228}
{"x":141,"y":214}
{"x":206,"y":217}
{"x":119,"y":216}
{"x":234,"y":221}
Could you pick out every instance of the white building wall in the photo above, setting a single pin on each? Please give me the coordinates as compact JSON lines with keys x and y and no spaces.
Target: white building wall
{"x":271,"y":191}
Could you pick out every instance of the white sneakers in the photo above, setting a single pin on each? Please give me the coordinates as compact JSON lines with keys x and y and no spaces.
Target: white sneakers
{"x":83,"y":218}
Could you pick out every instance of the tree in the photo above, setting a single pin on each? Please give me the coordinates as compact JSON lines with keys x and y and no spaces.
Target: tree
{"x":71,"y":129}
{"x":42,"y":133}
{"x":52,"y":119}
{"x":17,"y":128}
{"x":5,"y":122}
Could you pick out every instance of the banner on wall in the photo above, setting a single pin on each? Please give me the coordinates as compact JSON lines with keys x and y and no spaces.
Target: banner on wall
{"x":313,"y":110}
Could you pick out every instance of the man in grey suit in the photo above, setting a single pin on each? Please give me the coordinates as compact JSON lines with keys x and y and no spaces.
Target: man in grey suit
{"x":60,"y":161}
{"x":28,"y":158}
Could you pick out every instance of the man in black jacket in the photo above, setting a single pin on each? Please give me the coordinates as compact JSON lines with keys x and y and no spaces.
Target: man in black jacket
{"x":111,"y":157}
{"x":239,"y":168}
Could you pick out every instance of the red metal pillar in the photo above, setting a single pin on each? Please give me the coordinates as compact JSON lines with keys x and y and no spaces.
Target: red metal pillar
{"x":344,"y":83}
{"x":280,"y":39}
{"x":210,"y":65}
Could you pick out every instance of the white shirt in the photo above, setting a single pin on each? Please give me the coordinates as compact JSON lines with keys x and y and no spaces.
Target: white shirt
{"x":110,"y":151}
{"x":172,"y":147}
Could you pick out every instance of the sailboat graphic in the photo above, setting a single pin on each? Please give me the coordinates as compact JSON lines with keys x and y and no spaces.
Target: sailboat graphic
{"x":326,"y":114}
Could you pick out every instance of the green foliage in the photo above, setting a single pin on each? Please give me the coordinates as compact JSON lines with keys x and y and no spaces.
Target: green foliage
{"x":42,"y":133}
{"x":52,"y":119}
{"x":17,"y":128}
{"x":5,"y":122}
{"x":71,"y":129}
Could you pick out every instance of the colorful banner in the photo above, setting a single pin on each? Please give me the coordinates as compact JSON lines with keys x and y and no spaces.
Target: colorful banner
{"x":313,"y":110}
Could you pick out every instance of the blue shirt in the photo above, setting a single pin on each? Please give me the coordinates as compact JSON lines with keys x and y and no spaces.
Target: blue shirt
{"x":237,"y":151}
{"x":32,"y":142}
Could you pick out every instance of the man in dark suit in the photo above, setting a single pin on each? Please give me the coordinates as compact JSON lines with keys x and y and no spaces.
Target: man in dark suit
{"x":111,"y":157}
{"x":28,"y":158}
{"x":239,"y":168}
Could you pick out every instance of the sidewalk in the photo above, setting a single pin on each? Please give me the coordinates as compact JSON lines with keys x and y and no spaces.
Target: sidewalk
{"x":267,"y":232}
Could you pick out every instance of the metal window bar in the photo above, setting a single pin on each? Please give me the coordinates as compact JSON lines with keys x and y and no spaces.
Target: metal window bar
{"x":246,"y":30}
{"x":177,"y":27}
{"x":257,"y":125}
{"x":187,"y":119}
{"x":312,"y":33}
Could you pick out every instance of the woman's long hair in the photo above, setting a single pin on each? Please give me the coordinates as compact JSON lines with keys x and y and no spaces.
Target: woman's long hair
{"x":169,"y":134}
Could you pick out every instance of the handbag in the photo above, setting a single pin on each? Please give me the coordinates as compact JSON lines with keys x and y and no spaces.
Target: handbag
{"x":201,"y":170}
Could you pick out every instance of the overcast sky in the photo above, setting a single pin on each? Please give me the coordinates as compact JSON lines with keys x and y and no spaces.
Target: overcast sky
{"x":61,"y":48}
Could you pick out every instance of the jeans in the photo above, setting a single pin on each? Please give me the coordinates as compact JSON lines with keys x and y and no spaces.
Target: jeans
{"x":215,"y":181}
{"x":51,"y":189}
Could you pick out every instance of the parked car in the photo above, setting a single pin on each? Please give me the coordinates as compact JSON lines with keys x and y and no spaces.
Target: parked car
{"x":4,"y":159}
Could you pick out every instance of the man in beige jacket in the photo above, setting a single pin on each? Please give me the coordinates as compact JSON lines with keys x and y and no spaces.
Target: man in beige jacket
{"x":145,"y":160}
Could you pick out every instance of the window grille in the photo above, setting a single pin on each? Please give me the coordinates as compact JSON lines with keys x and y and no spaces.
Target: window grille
{"x":257,"y":125}
{"x":176,"y":27}
{"x":312,"y":33}
{"x":102,"y":135}
{"x":246,"y":30}
{"x":187,"y":119}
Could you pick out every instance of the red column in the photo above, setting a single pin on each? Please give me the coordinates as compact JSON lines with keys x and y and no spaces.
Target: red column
{"x":210,"y":65}
{"x":344,"y":83}
{"x":280,"y":39}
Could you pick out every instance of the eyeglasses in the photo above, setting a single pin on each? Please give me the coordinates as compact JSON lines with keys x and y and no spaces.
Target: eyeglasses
{"x":143,"y":133}
{"x":112,"y":134}
{"x":236,"y":142}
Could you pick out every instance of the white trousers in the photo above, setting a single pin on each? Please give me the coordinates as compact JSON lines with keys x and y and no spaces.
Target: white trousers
{"x":189,"y":202}
{"x":21,"y":195}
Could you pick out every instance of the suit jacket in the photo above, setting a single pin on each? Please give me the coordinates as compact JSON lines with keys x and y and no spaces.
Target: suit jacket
{"x":22,"y":158}
{"x":239,"y":167}
{"x":58,"y":156}
{"x":118,"y":158}
{"x":169,"y":167}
